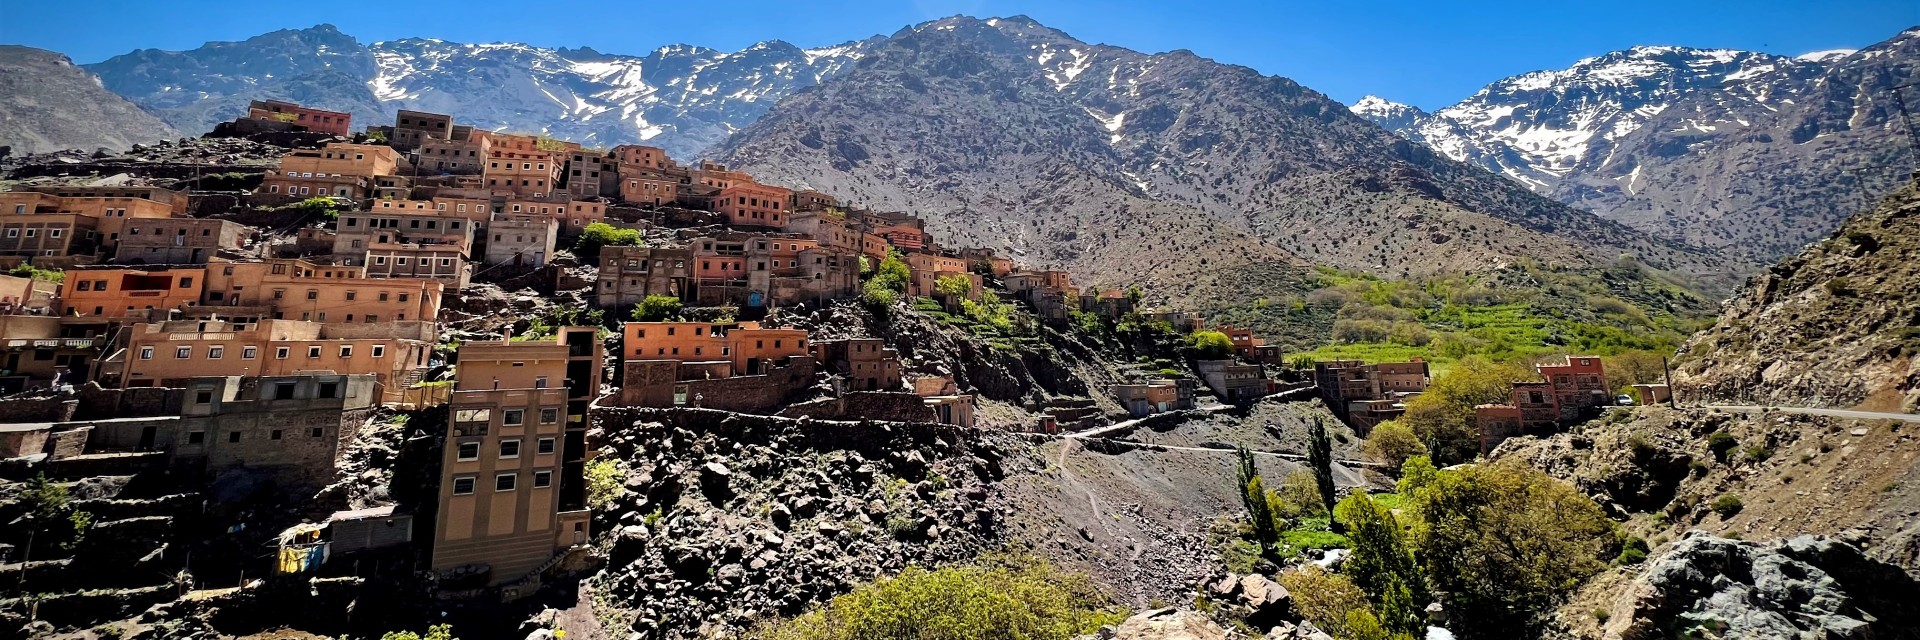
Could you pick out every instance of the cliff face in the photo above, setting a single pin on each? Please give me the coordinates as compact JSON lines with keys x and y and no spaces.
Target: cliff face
{"x":1836,"y":326}
{"x":48,"y":104}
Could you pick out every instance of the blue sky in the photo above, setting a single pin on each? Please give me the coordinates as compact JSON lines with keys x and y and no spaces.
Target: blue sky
{"x":1427,"y":53}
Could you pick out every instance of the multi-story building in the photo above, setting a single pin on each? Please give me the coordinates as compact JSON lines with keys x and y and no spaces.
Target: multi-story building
{"x":465,"y":155}
{"x":648,"y":187}
{"x":642,"y":157}
{"x":170,"y":352}
{"x":513,"y":486}
{"x":320,"y":120}
{"x":85,"y":220}
{"x":591,"y":174}
{"x":521,"y":241}
{"x":1564,"y":393}
{"x":291,"y":427}
{"x":867,"y":364}
{"x":1234,"y":382}
{"x":179,"y":240}
{"x":27,"y":296}
{"x":629,"y":274}
{"x":746,"y":203}
{"x":810,"y":200}
{"x":95,"y":200}
{"x":411,"y":129}
{"x":1366,"y":394}
{"x":906,"y":237}
{"x":44,"y":350}
{"x":125,"y":292}
{"x":570,"y":215}
{"x":523,"y":173}
{"x":1155,"y":396}
{"x":396,"y":245}
{"x":924,"y":269}
{"x":339,"y":169}
{"x":301,"y":290}
{"x":731,"y":349}
{"x":949,"y":406}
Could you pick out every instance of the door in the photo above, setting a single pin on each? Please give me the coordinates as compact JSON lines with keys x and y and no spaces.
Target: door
{"x":146,"y":438}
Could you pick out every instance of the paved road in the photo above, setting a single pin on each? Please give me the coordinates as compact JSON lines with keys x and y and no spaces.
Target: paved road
{"x":1833,"y":413}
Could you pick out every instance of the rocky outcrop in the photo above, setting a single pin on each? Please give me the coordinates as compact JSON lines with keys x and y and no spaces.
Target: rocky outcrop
{"x":1804,"y":588}
{"x":728,"y":518}
{"x":1836,"y":326}
{"x":47,"y":104}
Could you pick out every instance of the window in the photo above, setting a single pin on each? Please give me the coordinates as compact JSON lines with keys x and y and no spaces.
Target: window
{"x":346,"y":351}
{"x":275,"y":435}
{"x":329,"y":390}
{"x":544,"y":447}
{"x":513,"y":417}
{"x":196,"y":437}
{"x":509,"y":448}
{"x":312,"y":294}
{"x":203,"y":396}
{"x":352,"y":294}
{"x":233,"y":436}
{"x":463,"y":486}
{"x":468,"y":451}
{"x":540,"y":382}
{"x":549,"y":415}
{"x":313,"y":352}
{"x":542,"y":479}
{"x":379,"y":349}
{"x":283,"y":391}
{"x":280,"y":353}
{"x":182,"y":353}
{"x":316,"y":432}
{"x":505,"y":481}
{"x":214,"y":353}
{"x":146,"y":353}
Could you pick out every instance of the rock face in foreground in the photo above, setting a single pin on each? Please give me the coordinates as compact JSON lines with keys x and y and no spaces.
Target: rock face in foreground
{"x":47,"y":104}
{"x":1806,"y":587}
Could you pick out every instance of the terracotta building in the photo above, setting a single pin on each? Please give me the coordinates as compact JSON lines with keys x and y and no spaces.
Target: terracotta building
{"x":414,"y":128}
{"x":406,"y":245}
{"x":466,"y":155}
{"x":746,"y":203}
{"x":40,"y":351}
{"x":98,"y":198}
{"x":629,"y":274}
{"x":641,"y":156}
{"x":1578,"y":385}
{"x":523,"y":173}
{"x":1566,"y":393}
{"x":521,"y":241}
{"x":69,"y":222}
{"x":290,"y":427}
{"x":512,"y":488}
{"x":301,"y":290}
{"x":128,"y":292}
{"x":167,"y":353}
{"x":949,"y":406}
{"x":1155,"y":396}
{"x":925,"y":269}
{"x":339,"y":169}
{"x":744,"y":348}
{"x":867,"y":364}
{"x":1346,"y":385}
{"x":320,"y":120}
{"x":648,"y":187}
{"x":179,"y":240}
{"x":591,"y":174}
{"x":810,"y":200}
{"x":570,"y":215}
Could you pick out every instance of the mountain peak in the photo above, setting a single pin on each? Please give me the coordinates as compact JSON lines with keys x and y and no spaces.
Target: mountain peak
{"x":1828,"y":55}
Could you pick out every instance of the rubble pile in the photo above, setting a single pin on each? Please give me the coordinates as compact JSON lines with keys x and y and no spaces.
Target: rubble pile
{"x":727,"y":519}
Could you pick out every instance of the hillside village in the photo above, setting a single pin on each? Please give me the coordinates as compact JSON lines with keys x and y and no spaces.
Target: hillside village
{"x":419,"y":366}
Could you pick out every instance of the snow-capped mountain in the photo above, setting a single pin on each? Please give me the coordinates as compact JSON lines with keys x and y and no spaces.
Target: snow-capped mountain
{"x":1540,"y":127}
{"x":1393,"y":116}
{"x":679,"y":97}
{"x":1750,"y":153}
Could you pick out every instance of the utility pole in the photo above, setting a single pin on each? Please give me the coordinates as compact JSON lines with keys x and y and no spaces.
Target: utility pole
{"x":1673,"y":401}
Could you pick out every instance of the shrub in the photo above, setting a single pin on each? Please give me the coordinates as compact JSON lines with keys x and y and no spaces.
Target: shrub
{"x":1443,"y":416}
{"x":1727,"y":505}
{"x":435,"y":632}
{"x":36,"y":273}
{"x":1017,"y":598}
{"x":1381,"y":563}
{"x":1328,"y":599}
{"x":606,"y":481}
{"x":1210,"y":345}
{"x":599,"y":235}
{"x":319,"y":206}
{"x":1721,"y":443}
{"x":1839,"y":286}
{"x":1393,"y":443}
{"x":1633,"y":551}
{"x":1759,"y":453}
{"x":657,"y":308}
{"x":953,"y":286}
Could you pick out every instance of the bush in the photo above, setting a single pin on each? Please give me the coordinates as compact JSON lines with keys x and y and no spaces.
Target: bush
{"x":36,"y":273}
{"x":1839,"y":286}
{"x":319,"y":206}
{"x":1015,"y":598}
{"x":1393,"y":443}
{"x":1333,"y":603}
{"x":1721,"y":443}
{"x":1443,"y":416}
{"x":600,"y":235}
{"x":1210,"y":345}
{"x":1759,"y":453}
{"x":1381,"y":563}
{"x":435,"y":632}
{"x":1727,"y":505}
{"x":606,"y":481}
{"x":1633,"y":551}
{"x":657,"y":308}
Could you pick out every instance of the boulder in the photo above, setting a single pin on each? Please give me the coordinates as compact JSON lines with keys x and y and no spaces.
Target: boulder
{"x":1169,"y":624}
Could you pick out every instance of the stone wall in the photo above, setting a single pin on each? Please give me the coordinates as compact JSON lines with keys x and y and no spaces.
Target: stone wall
{"x":892,"y":406}
{"x":67,"y":444}
{"x":753,"y":394}
{"x":139,"y":402}
{"x":58,"y":408}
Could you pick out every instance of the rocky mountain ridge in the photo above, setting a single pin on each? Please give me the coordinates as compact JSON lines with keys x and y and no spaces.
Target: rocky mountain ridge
{"x":680,"y":97}
{"x":1748,"y":153}
{"x":47,"y":103}
{"x":1157,"y":168}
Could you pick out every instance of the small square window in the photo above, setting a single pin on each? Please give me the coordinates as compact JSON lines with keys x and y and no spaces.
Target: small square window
{"x":542,"y":479}
{"x":549,"y":415}
{"x":505,"y":482}
{"x":280,"y":353}
{"x":545,"y":446}
{"x":233,"y":436}
{"x":275,"y":435}
{"x":513,"y":417}
{"x":509,"y":449}
{"x":469,"y":451}
{"x":196,"y":437}
{"x":463,"y":486}
{"x":317,"y":432}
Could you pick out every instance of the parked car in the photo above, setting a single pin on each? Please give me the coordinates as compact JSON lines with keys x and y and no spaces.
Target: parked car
{"x":1623,"y":400}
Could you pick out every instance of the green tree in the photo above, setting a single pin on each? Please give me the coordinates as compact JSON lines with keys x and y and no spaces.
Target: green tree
{"x":1392,"y":443}
{"x":1443,"y":417}
{"x":1333,"y":603}
{"x":953,"y":286}
{"x":1415,"y":473}
{"x":606,"y":481}
{"x":319,"y":206}
{"x":29,"y":271}
{"x":1300,"y":494}
{"x":892,"y":274}
{"x":1381,"y":563}
{"x":1320,"y":459}
{"x":1210,"y":345}
{"x":1254,"y":496}
{"x":1023,"y":599}
{"x":1135,"y":293}
{"x":657,"y":308}
{"x":1503,"y":540}
{"x":599,"y":235}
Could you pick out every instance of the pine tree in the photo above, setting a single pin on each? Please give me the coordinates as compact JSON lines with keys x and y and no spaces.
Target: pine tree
{"x":1253,"y":494}
{"x":1320,"y":457}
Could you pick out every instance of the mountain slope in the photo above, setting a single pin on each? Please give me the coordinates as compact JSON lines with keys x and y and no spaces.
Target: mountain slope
{"x":1010,"y":134}
{"x":47,"y":104}
{"x":1730,"y":150}
{"x":679,"y":97}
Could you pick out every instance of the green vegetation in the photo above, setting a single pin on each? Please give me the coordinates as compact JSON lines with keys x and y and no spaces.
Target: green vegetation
{"x":1310,"y":533}
{"x":435,"y":632}
{"x":548,"y":326}
{"x":36,"y":273}
{"x":606,"y":481}
{"x":599,"y":235}
{"x":1320,"y":459}
{"x":953,"y":286}
{"x":884,"y":287}
{"x":1504,"y":540}
{"x":1254,"y":496}
{"x":1443,"y":416}
{"x":49,"y":511}
{"x":657,"y":308}
{"x":1393,"y":443}
{"x":1632,"y":551}
{"x":1381,"y":564}
{"x":1000,"y":598}
{"x":1335,"y":604}
{"x":1210,"y":345}
{"x":1523,"y":311}
{"x":1727,"y":505}
{"x":319,"y":206}
{"x":1721,"y":443}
